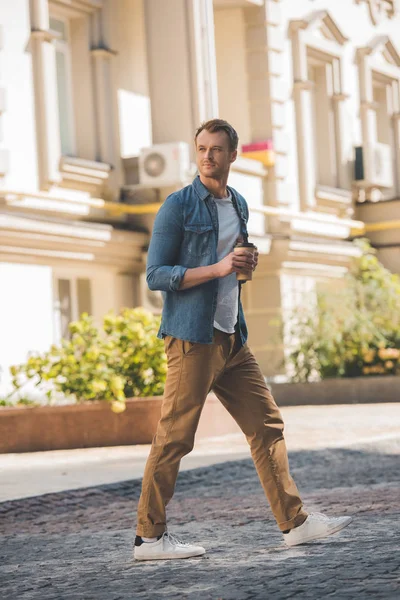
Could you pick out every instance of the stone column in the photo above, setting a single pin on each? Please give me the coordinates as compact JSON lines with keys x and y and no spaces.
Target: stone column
{"x":367,"y":110}
{"x":102,"y":55}
{"x":104,"y":124}
{"x":104,"y":37}
{"x":45,"y":82}
{"x":265,"y":39}
{"x":304,"y":125}
{"x":4,"y":153}
{"x":182,"y":67}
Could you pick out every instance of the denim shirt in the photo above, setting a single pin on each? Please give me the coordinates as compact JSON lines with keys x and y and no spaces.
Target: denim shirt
{"x":185,"y":236}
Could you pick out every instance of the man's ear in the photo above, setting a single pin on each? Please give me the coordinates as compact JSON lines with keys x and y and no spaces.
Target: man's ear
{"x":234,"y":156}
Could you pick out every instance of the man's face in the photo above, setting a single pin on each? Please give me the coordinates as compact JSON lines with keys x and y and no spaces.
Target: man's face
{"x":213,"y":155}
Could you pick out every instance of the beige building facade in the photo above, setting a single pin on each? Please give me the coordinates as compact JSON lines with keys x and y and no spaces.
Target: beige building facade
{"x":99,"y":100}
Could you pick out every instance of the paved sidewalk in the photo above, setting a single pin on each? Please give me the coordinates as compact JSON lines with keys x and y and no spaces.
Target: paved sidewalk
{"x":306,"y":427}
{"x":77,"y":545}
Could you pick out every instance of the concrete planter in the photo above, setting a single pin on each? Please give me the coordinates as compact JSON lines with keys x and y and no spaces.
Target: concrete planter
{"x":95,"y":425}
{"x":351,"y":390}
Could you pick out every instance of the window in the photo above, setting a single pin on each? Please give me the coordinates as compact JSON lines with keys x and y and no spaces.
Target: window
{"x":64,"y":85}
{"x":73,"y":297}
{"x":379,"y":80}
{"x":64,"y":306}
{"x":384,"y":92}
{"x":382,"y":109}
{"x":323,"y":162}
{"x":324,"y":121}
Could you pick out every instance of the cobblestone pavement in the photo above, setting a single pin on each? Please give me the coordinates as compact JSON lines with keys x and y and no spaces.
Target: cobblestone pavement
{"x":77,"y":545}
{"x":306,"y":427}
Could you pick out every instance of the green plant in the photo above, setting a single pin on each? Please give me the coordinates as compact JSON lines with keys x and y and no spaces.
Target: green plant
{"x":19,"y":402}
{"x":351,"y":331}
{"x":124,"y":358}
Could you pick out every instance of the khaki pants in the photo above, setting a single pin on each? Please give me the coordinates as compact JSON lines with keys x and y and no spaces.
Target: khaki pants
{"x":236,"y":378}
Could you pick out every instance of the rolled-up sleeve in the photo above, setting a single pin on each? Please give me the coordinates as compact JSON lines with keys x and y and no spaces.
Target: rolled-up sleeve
{"x":162,"y":272}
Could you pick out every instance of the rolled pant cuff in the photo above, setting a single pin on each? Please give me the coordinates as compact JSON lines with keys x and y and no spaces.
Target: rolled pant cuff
{"x":150,"y":532}
{"x":295,"y":522}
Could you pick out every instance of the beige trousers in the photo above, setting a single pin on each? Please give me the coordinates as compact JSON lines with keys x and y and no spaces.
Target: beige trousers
{"x":234,"y":375}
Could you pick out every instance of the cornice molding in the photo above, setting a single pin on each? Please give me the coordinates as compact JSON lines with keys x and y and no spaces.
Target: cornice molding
{"x":45,"y":35}
{"x":78,"y":6}
{"x":56,"y":239}
{"x":103,"y":52}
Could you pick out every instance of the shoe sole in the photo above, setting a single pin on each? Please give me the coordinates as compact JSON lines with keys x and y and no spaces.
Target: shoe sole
{"x":162,"y":556}
{"x":323,"y":535}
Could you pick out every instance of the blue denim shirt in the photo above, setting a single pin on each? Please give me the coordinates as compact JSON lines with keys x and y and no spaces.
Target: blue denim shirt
{"x":185,"y":236}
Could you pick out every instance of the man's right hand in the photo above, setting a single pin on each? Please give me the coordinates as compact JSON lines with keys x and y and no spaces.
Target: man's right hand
{"x":236,"y":262}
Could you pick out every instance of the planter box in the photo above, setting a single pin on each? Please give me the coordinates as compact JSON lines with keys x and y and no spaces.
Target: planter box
{"x":351,"y":390}
{"x":95,"y":425}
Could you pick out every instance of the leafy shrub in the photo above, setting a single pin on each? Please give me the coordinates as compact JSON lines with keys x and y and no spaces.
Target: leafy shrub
{"x":4,"y":402}
{"x":352,"y":331}
{"x":122,"y":359}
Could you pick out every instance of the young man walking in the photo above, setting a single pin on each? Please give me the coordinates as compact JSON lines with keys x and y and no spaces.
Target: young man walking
{"x":191,"y":260}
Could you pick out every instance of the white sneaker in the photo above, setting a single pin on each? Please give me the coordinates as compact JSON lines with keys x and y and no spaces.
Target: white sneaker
{"x":168,"y":546}
{"x":316,"y":526}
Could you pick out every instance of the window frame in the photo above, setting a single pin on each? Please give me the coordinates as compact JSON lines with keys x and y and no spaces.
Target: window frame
{"x":84,"y":171}
{"x":319,"y":35}
{"x":61,"y":275}
{"x":371,"y":68}
{"x":64,"y":47}
{"x":331,"y":123}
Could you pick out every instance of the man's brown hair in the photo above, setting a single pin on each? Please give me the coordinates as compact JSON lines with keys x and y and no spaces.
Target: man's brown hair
{"x":214,"y":125}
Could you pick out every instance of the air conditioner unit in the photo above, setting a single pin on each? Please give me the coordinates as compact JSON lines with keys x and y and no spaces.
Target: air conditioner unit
{"x":379,"y":172}
{"x":163,"y":165}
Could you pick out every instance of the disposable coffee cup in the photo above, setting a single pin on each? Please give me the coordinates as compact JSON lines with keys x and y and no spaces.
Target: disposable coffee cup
{"x":248,"y":274}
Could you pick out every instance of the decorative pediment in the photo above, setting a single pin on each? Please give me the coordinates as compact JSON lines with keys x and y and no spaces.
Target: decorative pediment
{"x":322,"y":24}
{"x":385,"y":46}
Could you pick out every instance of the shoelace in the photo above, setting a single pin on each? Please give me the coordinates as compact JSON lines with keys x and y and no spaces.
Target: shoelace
{"x":174,"y":540}
{"x":320,"y":517}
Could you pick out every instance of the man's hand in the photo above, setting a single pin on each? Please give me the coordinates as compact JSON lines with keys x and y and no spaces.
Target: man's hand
{"x":233,"y":263}
{"x":255,"y":256}
{"x":237,"y":262}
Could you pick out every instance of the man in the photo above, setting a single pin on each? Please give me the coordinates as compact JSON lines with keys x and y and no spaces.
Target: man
{"x":191,"y":260}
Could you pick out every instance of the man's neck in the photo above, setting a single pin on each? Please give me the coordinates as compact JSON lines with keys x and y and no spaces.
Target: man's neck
{"x":216,"y":187}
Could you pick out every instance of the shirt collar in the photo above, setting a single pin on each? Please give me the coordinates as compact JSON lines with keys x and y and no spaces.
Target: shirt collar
{"x":200,"y":188}
{"x":204,"y":193}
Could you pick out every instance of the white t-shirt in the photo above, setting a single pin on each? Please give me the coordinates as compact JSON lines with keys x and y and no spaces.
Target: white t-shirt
{"x":228,"y":290}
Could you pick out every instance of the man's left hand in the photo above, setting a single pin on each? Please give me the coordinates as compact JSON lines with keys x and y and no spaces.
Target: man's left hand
{"x":255,"y":256}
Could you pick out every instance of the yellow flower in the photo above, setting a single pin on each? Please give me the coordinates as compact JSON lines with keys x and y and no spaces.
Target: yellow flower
{"x":389,"y":364}
{"x":98,"y":386}
{"x":377,"y":369}
{"x":117,"y":406}
{"x":369,"y":356}
{"x":117,"y":384}
{"x":93,"y":353}
{"x":76,"y":327}
{"x":388,"y":353}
